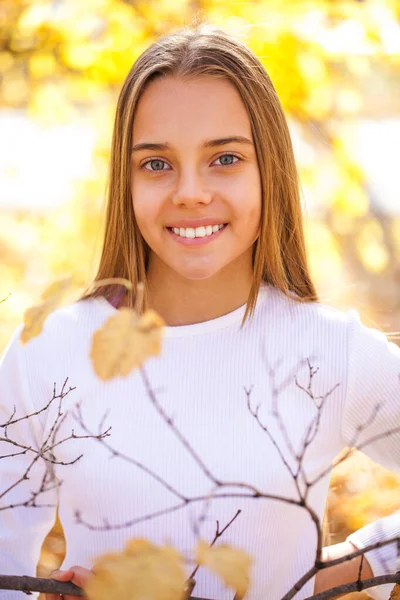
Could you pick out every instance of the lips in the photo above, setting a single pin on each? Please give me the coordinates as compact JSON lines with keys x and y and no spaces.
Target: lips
{"x":177,"y":227}
{"x":196,"y":241}
{"x":194,"y":223}
{"x":205,"y":226}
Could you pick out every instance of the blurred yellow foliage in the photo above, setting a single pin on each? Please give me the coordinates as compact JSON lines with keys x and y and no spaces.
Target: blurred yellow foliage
{"x":42,"y":65}
{"x":350,"y":198}
{"x":370,"y":245}
{"x":325,"y":258}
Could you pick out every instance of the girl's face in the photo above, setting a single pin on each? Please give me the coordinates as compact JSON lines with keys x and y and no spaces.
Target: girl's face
{"x":188,"y":179}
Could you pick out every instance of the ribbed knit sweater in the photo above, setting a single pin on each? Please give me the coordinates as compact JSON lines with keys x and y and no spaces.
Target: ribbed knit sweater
{"x":242,"y":402}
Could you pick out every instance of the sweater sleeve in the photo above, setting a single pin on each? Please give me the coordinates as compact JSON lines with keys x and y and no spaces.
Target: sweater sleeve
{"x":372,"y":408}
{"x":22,"y":528}
{"x":382,"y":560}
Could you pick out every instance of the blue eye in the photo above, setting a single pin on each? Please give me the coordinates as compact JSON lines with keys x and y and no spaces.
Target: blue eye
{"x":154,"y":160}
{"x":226,"y":156}
{"x":158,"y":160}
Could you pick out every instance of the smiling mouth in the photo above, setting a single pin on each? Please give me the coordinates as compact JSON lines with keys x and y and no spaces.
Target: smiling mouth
{"x":196,"y":237}
{"x":196,"y":241}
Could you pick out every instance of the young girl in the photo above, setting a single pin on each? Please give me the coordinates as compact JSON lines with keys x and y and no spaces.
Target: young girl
{"x":257,"y":376}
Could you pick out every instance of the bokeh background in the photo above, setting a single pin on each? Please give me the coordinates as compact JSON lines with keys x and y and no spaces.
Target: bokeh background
{"x":336,"y":67}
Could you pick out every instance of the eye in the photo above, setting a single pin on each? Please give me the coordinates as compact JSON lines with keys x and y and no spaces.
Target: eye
{"x":231,"y":164}
{"x":156,"y":162}
{"x":153,"y":160}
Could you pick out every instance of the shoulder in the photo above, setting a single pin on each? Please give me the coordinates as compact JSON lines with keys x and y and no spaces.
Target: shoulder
{"x":70,"y":323}
{"x":63,"y":346}
{"x":32,"y":370}
{"x":318,"y":319}
{"x":313,"y":314}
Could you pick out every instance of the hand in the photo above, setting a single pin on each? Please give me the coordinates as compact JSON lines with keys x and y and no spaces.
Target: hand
{"x":77,"y":575}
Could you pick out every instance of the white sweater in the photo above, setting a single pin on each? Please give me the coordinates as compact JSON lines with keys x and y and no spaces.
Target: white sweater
{"x":200,"y":381}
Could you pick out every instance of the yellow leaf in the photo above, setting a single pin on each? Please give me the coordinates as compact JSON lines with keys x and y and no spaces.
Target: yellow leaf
{"x":125,"y":341}
{"x":138,"y":546}
{"x":57,"y":289}
{"x":395,"y":593}
{"x":141,"y":571}
{"x":52,"y":298}
{"x":232,"y":564}
{"x":34,"y":317}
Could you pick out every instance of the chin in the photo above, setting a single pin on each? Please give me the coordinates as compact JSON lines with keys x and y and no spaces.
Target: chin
{"x":197,"y":274}
{"x":197,"y":277}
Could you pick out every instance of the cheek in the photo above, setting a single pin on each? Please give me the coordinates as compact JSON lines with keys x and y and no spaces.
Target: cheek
{"x":254,"y":221}
{"x":257,"y":206}
{"x":250,"y":218}
{"x":145,"y":221}
{"x":251,"y":197}
{"x":144,"y":208}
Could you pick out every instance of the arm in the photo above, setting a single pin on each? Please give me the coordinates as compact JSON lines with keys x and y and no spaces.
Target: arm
{"x":345,"y":572}
{"x":381,"y":560}
{"x":22,"y":528}
{"x":371,"y":413}
{"x":373,"y":381}
{"x":371,"y":410}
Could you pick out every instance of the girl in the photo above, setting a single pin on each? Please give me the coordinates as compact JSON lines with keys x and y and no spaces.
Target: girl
{"x":265,"y":384}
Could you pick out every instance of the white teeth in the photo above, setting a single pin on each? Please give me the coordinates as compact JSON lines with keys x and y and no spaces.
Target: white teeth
{"x":190,"y":232}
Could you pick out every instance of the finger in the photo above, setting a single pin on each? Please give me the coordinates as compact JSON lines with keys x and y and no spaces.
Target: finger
{"x":76,"y":575}
{"x":62,"y":575}
{"x":59,"y":576}
{"x":80,"y":575}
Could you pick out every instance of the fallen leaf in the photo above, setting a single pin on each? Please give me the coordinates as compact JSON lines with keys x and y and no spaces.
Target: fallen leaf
{"x":125,"y":341}
{"x":231,"y":564}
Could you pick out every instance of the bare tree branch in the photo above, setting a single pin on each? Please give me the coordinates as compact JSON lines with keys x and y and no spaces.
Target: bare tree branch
{"x":46,"y":453}
{"x":311,"y":431}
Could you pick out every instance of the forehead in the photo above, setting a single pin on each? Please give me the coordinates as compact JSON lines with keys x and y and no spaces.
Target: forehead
{"x":202,"y":107}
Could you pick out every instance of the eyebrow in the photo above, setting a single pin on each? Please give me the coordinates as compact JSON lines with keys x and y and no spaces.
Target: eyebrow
{"x":238,"y":139}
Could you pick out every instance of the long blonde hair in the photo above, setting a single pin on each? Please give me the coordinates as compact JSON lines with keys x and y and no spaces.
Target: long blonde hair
{"x":279,"y":253}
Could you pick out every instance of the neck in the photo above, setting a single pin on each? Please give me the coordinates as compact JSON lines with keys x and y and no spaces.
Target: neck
{"x":180,"y":301}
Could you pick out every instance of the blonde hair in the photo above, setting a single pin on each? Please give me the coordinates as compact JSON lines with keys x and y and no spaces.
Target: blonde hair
{"x":279,"y":254}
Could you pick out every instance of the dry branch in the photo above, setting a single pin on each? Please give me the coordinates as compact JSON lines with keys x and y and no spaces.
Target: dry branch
{"x":45,"y":452}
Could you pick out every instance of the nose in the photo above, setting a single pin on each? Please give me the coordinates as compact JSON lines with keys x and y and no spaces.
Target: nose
{"x":190,"y":190}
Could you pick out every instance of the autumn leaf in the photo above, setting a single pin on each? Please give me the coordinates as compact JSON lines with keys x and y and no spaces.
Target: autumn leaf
{"x":395,"y":593}
{"x":34,"y":317}
{"x":142,"y":570}
{"x":53,"y":296}
{"x":125,"y":341}
{"x":232,"y":564}
{"x":58,"y":289}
